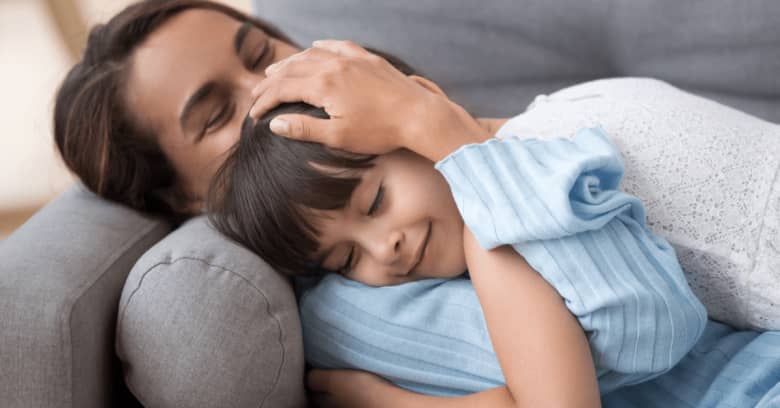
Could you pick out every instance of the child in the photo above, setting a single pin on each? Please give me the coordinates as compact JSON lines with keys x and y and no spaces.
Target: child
{"x":393,"y":219}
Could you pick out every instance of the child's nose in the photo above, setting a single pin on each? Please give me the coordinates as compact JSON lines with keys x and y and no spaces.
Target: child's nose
{"x":387,"y":248}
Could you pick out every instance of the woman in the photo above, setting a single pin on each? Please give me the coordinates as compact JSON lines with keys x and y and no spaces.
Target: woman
{"x":157,"y":151}
{"x":170,"y":141}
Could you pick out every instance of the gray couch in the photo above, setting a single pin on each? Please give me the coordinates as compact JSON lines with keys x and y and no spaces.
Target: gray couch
{"x":97,"y":299}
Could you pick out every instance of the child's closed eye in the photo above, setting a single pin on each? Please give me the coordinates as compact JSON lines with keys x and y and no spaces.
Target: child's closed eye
{"x":380,"y":193}
{"x":348,"y":264}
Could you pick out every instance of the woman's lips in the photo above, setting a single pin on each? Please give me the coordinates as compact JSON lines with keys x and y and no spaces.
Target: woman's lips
{"x":421,"y":251}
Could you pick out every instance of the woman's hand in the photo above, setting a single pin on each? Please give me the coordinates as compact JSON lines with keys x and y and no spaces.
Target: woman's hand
{"x":373,"y":107}
{"x":349,"y":388}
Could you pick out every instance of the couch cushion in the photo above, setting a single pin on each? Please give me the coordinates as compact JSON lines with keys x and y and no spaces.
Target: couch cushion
{"x":494,"y":57}
{"x":205,"y":323}
{"x":61,"y":277}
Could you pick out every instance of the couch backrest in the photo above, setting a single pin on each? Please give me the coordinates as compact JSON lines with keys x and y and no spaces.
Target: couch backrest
{"x":494,"y":56}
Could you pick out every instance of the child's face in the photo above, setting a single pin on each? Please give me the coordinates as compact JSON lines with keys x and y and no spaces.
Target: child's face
{"x":415,"y":217}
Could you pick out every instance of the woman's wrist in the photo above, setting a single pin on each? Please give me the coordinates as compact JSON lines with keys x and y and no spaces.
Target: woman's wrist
{"x":440,"y":127}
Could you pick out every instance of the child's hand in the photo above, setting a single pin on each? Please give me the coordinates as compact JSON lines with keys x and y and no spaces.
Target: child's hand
{"x":350,"y":388}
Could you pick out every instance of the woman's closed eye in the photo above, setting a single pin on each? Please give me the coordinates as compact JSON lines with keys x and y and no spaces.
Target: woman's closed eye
{"x":219,"y":117}
{"x":266,"y":54}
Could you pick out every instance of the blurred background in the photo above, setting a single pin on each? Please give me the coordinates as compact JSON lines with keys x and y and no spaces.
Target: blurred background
{"x":39,"y":41}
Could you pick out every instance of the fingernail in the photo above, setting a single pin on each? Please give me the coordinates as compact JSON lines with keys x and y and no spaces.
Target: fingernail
{"x":279,"y":126}
{"x":271,"y":68}
{"x":316,"y":43}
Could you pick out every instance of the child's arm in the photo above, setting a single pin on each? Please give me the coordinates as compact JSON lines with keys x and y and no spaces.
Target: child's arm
{"x":542,"y":349}
{"x":558,"y":204}
{"x":360,"y":389}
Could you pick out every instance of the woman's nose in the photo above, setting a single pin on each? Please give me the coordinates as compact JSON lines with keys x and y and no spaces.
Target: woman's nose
{"x":246,"y":82}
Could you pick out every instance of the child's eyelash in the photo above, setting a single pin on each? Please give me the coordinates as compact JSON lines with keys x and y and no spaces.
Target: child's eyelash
{"x":345,"y":269}
{"x":380,"y":193}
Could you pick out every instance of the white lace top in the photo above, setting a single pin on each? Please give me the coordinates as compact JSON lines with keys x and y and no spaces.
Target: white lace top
{"x":707,"y":174}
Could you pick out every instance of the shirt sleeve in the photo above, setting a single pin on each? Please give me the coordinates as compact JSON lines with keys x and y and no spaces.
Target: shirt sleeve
{"x":557,"y":203}
{"x":513,"y":190}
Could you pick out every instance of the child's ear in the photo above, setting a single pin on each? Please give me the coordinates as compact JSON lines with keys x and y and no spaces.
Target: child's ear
{"x":427,"y":84}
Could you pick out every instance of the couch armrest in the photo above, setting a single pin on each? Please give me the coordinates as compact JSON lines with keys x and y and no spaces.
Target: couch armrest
{"x":204,"y":322}
{"x":61,"y":277}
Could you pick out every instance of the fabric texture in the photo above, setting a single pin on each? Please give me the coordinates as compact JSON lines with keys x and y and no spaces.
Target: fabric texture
{"x":205,"y":323}
{"x":60,"y":278}
{"x":430,"y":336}
{"x":557,"y":203}
{"x":708,"y":175}
{"x":726,"y":369}
{"x":493,"y":57}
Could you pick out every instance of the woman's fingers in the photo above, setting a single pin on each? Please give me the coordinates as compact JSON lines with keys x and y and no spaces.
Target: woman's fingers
{"x":302,"y":127}
{"x":306,"y":58}
{"x":274,"y":91}
{"x":373,"y":107}
{"x":296,"y":79}
{"x":345,"y":48}
{"x":427,"y":84}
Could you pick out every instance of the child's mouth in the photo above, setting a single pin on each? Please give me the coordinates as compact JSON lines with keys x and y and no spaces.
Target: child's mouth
{"x":422,"y":249}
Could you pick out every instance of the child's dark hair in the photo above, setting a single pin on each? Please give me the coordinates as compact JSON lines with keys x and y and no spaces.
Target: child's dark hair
{"x":262,"y":194}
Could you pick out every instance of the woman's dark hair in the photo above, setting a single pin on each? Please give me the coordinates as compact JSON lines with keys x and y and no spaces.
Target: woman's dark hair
{"x":263,"y":194}
{"x":96,"y":134}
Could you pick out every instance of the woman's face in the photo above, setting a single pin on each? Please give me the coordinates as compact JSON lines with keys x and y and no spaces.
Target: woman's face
{"x":401,"y":224}
{"x":191,"y":81}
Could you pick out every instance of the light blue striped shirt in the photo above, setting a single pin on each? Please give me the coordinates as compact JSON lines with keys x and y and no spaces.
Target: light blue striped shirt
{"x":557,"y":203}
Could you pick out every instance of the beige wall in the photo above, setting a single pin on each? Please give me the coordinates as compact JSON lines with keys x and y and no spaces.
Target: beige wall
{"x":33,"y":60}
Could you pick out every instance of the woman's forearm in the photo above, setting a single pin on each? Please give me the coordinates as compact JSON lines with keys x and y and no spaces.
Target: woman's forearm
{"x":542,"y":350}
{"x":438,"y":127}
